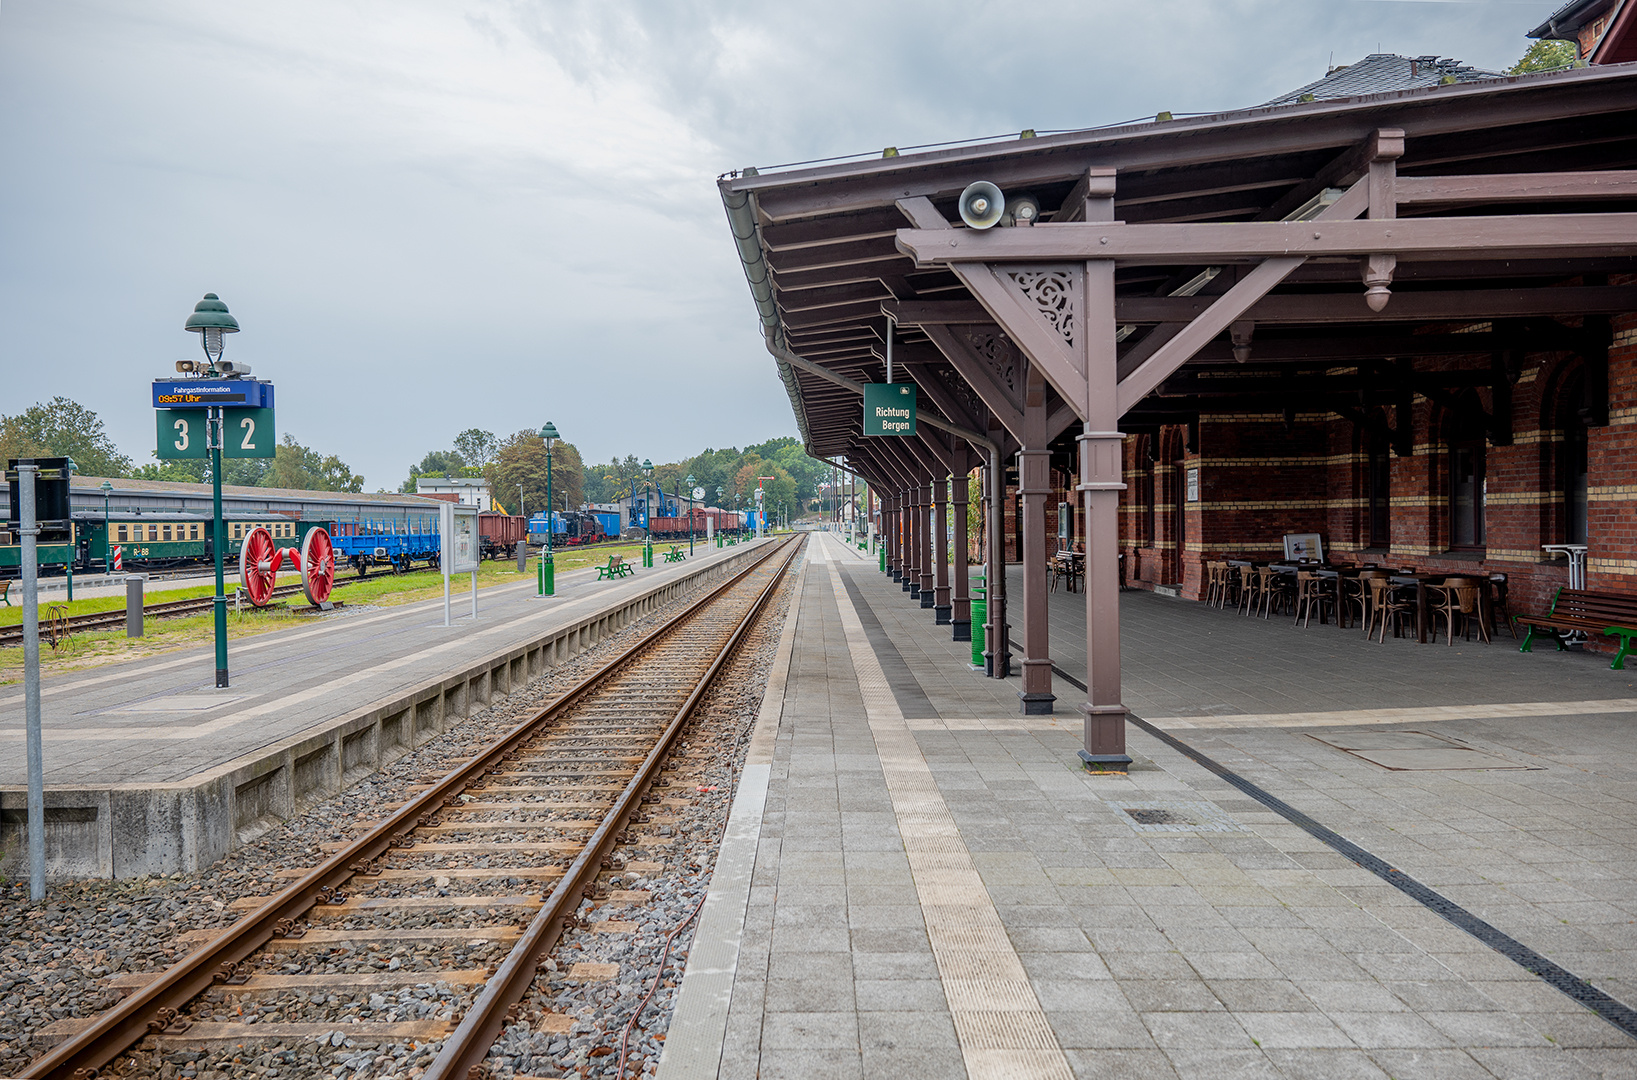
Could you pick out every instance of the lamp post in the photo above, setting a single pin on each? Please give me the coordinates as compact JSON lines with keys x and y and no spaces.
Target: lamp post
{"x":648,"y":518}
{"x":548,"y":570}
{"x":690,"y":513}
{"x":211,"y":321}
{"x":107,"y":552}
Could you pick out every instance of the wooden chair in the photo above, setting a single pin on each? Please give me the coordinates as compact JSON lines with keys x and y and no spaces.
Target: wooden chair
{"x":1355,"y":596}
{"x":1248,"y":581}
{"x":1498,"y":607}
{"x":1389,"y":603}
{"x":1457,"y":601}
{"x":1310,"y":594}
{"x":1270,"y":591}
{"x":1213,"y":581}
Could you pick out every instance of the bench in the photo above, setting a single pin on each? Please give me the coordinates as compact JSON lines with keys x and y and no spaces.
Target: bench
{"x":5,"y":591}
{"x":617,"y":567}
{"x":1611,"y":614}
{"x":675,"y":554}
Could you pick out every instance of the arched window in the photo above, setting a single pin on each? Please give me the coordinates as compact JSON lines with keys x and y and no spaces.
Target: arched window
{"x":1378,"y":490}
{"x":1573,"y":458}
{"x":1467,"y":451}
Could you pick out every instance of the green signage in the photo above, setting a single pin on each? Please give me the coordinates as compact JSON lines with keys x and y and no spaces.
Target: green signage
{"x":889,"y":408}
{"x":182,"y":433}
{"x":246,"y":433}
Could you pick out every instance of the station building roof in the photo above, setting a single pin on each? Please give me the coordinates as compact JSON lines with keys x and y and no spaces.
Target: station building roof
{"x":825,"y":263}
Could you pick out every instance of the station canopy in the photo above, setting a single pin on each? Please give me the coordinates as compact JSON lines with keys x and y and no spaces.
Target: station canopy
{"x":1301,"y":254}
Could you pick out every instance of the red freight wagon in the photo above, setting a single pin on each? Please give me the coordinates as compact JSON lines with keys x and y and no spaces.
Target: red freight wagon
{"x":499,"y":534}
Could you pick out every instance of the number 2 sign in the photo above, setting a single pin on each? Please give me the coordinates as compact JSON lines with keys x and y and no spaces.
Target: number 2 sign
{"x":246,"y":433}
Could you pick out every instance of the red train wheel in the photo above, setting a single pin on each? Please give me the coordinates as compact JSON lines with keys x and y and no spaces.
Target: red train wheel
{"x":257,"y":566}
{"x":317,"y":566}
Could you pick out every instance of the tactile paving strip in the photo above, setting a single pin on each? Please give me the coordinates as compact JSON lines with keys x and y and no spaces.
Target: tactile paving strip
{"x":1003,"y":1032}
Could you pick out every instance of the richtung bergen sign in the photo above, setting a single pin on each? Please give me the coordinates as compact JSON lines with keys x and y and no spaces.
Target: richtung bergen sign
{"x":889,"y":408}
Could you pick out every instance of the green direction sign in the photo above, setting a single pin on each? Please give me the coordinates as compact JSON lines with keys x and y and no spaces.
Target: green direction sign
{"x":889,"y":408}
{"x":182,"y":433}
{"x":246,"y":433}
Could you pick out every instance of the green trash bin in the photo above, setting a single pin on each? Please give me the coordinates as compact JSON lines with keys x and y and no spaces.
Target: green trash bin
{"x":881,"y":558}
{"x":980,"y":615}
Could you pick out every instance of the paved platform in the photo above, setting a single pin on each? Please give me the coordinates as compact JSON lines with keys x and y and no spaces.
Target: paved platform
{"x":307,"y":708}
{"x":919,"y":881}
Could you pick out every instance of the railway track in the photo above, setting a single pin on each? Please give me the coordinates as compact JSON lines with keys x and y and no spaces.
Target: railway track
{"x":113,"y":620}
{"x":503,"y":852}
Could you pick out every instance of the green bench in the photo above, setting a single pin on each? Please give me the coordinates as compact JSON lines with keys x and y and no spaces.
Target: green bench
{"x":1611,"y":614}
{"x":675,"y":554}
{"x":617,"y":567}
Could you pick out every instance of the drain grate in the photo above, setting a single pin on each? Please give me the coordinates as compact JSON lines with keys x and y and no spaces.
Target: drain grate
{"x":1157,"y":817}
{"x":1175,"y":815}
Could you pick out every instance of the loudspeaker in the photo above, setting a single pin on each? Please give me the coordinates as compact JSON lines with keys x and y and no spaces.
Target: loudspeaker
{"x":982,"y":205}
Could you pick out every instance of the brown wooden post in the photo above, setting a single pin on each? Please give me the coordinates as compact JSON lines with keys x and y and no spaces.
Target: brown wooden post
{"x":1034,"y":487}
{"x":940,"y":552}
{"x":929,"y":544}
{"x":1101,"y":457}
{"x":960,"y":614}
{"x":895,"y":541}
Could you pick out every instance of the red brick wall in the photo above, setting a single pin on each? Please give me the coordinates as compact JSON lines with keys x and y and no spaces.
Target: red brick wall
{"x":1260,"y":479}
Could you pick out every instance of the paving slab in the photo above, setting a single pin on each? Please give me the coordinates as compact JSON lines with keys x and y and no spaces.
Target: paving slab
{"x":1167,"y":923}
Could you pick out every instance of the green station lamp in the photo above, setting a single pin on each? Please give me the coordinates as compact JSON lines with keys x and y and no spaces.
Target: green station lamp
{"x":548,"y":570}
{"x":212,"y":322}
{"x":648,"y":488}
{"x":690,"y":513}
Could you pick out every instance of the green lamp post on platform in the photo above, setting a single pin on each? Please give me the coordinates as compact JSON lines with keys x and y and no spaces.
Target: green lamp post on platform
{"x":690,"y":513}
{"x":548,"y":570}
{"x":648,"y":487}
{"x":211,"y":321}
{"x":107,"y":551}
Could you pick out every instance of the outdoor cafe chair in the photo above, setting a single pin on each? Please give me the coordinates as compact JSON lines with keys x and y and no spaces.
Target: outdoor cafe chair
{"x":1457,"y":602}
{"x":1498,"y":607}
{"x":1249,"y":589}
{"x":1389,"y":603}
{"x":1310,"y":594}
{"x":1355,"y":595}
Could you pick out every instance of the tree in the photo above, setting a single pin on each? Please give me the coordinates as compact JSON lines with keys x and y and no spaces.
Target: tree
{"x":521,"y":460}
{"x":476,"y":448}
{"x":1546,"y":56}
{"x":62,"y":428}
{"x":304,"y":469}
{"x":435,"y":463}
{"x":236,"y":472}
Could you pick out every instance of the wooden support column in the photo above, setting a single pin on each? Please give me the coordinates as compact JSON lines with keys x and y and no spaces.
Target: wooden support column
{"x":912,"y":539}
{"x":1034,"y":487}
{"x":928,"y":549}
{"x":1101,"y":457}
{"x":940,"y":552}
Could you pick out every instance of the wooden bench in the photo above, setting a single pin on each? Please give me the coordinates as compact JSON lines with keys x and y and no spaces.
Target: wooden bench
{"x":5,"y":592}
{"x":617,"y":567}
{"x":1611,"y":614}
{"x":675,"y":554}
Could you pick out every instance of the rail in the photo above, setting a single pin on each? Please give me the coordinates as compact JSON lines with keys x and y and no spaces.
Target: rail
{"x":155,"y":1008}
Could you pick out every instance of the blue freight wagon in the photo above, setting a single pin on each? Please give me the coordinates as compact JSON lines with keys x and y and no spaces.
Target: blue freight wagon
{"x":396,"y":543}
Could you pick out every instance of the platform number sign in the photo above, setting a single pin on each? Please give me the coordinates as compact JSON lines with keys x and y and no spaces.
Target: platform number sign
{"x":246,"y":433}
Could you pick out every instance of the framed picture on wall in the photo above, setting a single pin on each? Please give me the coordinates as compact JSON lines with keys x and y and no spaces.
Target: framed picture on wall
{"x":1304,"y":547}
{"x":1193,"y":485}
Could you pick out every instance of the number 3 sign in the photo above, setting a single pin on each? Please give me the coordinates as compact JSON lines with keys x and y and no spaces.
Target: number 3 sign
{"x":246,"y":433}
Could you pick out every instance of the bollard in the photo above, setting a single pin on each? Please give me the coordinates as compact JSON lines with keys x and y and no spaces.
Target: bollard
{"x":133,"y":604}
{"x":980,"y":613}
{"x":522,"y":556}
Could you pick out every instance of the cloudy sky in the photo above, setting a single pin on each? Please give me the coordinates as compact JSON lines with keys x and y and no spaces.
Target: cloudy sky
{"x":430,"y":216}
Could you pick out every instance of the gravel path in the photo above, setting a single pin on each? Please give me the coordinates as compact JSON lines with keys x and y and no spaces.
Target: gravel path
{"x":56,"y":957}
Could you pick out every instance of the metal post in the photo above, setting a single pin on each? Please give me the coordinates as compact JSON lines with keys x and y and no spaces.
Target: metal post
{"x":214,"y":436}
{"x":548,"y":569}
{"x":26,"y":475}
{"x":134,"y":584}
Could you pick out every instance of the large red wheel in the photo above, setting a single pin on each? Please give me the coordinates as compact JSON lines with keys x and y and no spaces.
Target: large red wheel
{"x":259,"y":560}
{"x":317,"y":566}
